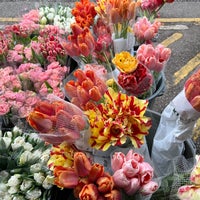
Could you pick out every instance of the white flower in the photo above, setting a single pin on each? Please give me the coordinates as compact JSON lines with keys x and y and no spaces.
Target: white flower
{"x":46,"y":10}
{"x":18,"y":142}
{"x":16,"y":130}
{"x":50,"y":16}
{"x":43,"y":20}
{"x":25,"y":157}
{"x":39,"y":177}
{"x":14,"y":180}
{"x":52,"y":10}
{"x":8,"y":134}
{"x":26,"y":184}
{"x":33,"y":194}
{"x":48,"y":182}
{"x":1,"y":134}
{"x":13,"y":190}
{"x":44,"y":158}
{"x":36,"y":167}
{"x":18,"y":197}
{"x":7,"y":197}
{"x":28,"y":146}
{"x":33,"y":136}
{"x":7,"y":141}
{"x":3,"y":187}
{"x":36,"y":154}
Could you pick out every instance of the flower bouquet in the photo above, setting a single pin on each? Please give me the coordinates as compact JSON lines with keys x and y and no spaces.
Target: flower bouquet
{"x":134,"y":77}
{"x":120,"y":15}
{"x":24,"y":173}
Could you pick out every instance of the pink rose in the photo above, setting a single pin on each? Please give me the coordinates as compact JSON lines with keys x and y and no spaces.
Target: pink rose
{"x":120,"y":179}
{"x":130,"y":168}
{"x":117,"y":161}
{"x":149,"y":188}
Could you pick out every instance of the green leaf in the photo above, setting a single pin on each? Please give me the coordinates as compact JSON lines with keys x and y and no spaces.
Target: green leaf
{"x":3,"y":148}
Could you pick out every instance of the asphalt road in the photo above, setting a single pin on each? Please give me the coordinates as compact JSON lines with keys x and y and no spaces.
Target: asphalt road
{"x":181,"y":26}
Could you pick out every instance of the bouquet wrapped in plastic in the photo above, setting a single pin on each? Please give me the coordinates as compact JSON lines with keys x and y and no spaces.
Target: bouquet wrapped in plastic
{"x":57,"y":120}
{"x":173,"y":136}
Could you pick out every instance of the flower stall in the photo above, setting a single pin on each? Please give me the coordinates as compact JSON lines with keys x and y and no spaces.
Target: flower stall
{"x":77,"y":87}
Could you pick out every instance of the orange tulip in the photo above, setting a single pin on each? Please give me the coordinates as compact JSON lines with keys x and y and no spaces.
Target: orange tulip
{"x":89,"y":192}
{"x":96,"y":171}
{"x":95,"y":94}
{"x":105,"y":184}
{"x":68,"y":178}
{"x":114,"y":195}
{"x":41,"y":122}
{"x":192,"y":90}
{"x":82,"y":164}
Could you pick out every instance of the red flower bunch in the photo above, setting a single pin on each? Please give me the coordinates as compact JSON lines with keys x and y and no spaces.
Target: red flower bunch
{"x":137,"y":82}
{"x":50,"y":44}
{"x":84,"y":13}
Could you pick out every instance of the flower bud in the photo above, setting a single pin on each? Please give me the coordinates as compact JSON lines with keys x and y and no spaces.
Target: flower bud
{"x":82,"y":164}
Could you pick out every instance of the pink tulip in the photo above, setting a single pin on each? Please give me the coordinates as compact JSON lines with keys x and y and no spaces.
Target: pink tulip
{"x":149,"y":188}
{"x":130,"y":168}
{"x":154,"y":58}
{"x":117,"y":161}
{"x":145,"y":172}
{"x":120,"y":179}
{"x":133,"y":186}
{"x":136,"y":156}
